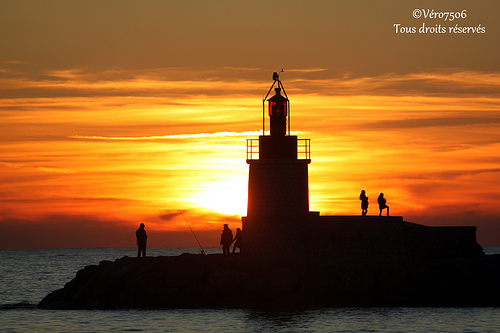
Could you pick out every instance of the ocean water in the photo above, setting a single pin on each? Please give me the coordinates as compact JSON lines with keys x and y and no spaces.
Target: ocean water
{"x":26,"y":276}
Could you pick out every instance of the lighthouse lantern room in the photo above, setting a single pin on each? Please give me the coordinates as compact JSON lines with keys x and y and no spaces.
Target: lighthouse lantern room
{"x":278,"y":106}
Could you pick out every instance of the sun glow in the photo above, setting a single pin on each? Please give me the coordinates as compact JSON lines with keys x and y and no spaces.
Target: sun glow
{"x":226,"y":196}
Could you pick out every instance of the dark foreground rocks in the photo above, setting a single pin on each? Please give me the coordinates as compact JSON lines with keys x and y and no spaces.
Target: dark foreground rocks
{"x":189,"y":281}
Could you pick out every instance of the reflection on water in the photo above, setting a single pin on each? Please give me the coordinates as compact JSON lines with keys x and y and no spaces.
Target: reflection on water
{"x":279,"y":321}
{"x":409,"y":320}
{"x":378,"y":320}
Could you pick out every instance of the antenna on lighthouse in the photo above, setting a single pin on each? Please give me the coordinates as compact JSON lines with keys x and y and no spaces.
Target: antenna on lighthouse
{"x":276,"y":79}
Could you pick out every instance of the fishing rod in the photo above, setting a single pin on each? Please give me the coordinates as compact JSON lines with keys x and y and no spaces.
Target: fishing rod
{"x":201,"y":247}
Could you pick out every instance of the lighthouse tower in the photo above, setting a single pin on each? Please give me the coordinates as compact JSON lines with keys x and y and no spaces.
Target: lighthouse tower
{"x":278,"y":191}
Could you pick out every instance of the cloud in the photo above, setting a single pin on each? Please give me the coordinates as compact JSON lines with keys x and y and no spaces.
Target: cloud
{"x":183,"y":82}
{"x":62,"y":231}
{"x":33,"y":166}
{"x":471,"y":119}
{"x":150,"y":82}
{"x":87,"y":231}
{"x":168,"y":216}
{"x":166,"y":137}
{"x":198,"y":218}
{"x":438,"y":83}
{"x":54,"y":170}
{"x":450,"y":174}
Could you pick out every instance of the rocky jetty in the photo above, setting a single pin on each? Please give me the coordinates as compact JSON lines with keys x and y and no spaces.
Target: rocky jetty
{"x":188,"y":281}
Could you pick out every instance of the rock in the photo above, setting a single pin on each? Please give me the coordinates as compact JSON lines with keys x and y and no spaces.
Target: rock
{"x":188,"y":281}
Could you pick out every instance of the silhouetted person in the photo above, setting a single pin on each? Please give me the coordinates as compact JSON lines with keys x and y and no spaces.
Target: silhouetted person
{"x":364,"y":203}
{"x":142,"y":238}
{"x":237,"y":240}
{"x":226,"y":238}
{"x":381,"y":204}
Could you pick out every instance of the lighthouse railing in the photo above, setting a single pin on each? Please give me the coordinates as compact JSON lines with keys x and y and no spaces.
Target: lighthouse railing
{"x":303,"y":149}
{"x":252,"y":149}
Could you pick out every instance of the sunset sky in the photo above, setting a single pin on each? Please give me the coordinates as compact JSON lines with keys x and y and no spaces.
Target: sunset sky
{"x":115,"y":113}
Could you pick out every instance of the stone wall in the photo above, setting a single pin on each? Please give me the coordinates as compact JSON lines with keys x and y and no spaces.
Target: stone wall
{"x":332,"y":238}
{"x":274,"y":239}
{"x":336,"y":237}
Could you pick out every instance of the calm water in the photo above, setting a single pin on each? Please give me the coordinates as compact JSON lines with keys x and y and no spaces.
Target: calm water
{"x":26,"y":276}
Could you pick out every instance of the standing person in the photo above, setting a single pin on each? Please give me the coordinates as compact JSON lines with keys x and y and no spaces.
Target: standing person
{"x":237,"y":240}
{"x":364,"y":203}
{"x":142,"y":238}
{"x":226,"y":238}
{"x":382,"y":204}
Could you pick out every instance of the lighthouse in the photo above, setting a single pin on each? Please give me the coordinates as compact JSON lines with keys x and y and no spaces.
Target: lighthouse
{"x":278,"y":191}
{"x":279,"y":226}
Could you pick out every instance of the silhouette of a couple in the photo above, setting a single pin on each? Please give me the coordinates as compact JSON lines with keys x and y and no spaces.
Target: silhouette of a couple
{"x":382,"y":203}
{"x":226,"y":239}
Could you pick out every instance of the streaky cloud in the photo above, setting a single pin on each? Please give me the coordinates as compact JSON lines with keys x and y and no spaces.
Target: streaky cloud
{"x":169,"y":216}
{"x":306,"y":70}
{"x":179,"y":82}
{"x":55,"y":170}
{"x":433,"y":122}
{"x":166,"y":137}
{"x":20,"y":165}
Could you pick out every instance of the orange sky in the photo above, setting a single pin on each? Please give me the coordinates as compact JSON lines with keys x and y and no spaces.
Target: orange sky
{"x":112,"y":112}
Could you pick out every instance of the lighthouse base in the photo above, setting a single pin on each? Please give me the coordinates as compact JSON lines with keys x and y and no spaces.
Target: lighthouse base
{"x":330,"y":238}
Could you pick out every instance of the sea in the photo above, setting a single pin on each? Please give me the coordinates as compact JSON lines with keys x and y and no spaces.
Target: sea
{"x":27,"y":275}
